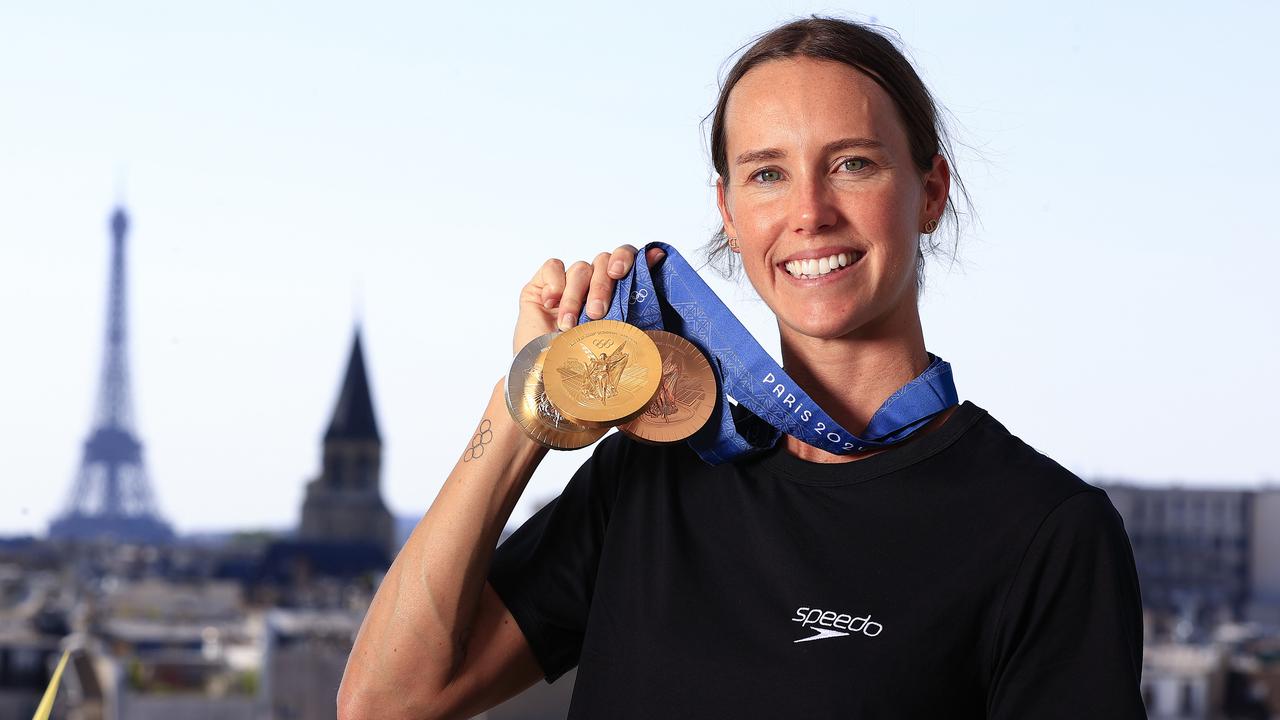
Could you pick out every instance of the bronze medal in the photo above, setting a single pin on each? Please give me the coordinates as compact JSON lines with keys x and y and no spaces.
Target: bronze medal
{"x":533,"y":412}
{"x":686,"y":393}
{"x":602,"y":373}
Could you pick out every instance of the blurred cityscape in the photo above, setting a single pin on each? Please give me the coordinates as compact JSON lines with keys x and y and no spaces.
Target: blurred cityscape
{"x":259,"y":625}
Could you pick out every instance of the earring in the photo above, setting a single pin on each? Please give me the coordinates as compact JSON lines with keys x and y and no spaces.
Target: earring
{"x":931,"y":225}
{"x":733,"y":244}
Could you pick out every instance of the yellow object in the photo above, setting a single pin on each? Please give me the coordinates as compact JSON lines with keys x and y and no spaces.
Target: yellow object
{"x":51,"y":692}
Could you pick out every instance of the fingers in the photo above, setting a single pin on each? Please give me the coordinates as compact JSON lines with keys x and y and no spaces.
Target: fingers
{"x":620,"y":261}
{"x":577,"y":279}
{"x":600,"y":292}
{"x":551,"y":278}
{"x":567,"y":291}
{"x":654,"y":255}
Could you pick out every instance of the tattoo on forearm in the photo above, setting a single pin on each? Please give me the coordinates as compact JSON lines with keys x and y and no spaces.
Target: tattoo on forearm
{"x":482,"y":437}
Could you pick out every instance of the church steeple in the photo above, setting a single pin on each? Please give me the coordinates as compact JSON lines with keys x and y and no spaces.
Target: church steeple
{"x":344,"y":504}
{"x":353,"y":417}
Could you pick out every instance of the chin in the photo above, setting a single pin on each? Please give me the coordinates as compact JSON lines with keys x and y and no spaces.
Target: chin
{"x":823,"y":326}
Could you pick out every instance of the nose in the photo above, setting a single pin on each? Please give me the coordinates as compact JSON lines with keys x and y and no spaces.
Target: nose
{"x":812,"y":208}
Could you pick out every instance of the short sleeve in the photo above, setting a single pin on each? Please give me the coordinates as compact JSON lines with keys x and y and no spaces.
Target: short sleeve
{"x":1069,"y":640}
{"x":545,"y":571}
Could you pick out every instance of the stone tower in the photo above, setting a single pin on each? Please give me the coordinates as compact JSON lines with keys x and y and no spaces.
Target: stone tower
{"x":344,"y":504}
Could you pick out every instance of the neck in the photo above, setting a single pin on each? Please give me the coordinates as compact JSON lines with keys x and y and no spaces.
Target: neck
{"x":850,"y":377}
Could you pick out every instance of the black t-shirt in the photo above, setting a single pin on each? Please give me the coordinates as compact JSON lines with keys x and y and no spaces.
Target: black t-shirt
{"x":959,"y":575}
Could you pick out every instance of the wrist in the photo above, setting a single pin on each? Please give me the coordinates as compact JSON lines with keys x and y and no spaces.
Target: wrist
{"x":514,"y":437}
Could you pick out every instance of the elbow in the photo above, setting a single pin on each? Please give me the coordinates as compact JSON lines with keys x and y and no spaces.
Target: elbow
{"x":351,"y":705}
{"x":359,"y":703}
{"x":392,"y":688}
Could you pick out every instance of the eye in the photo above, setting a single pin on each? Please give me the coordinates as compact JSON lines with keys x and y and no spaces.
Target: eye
{"x":767,"y":175}
{"x":853,"y":164}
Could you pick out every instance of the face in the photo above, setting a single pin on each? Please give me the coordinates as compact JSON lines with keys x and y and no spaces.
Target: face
{"x":818,"y":168}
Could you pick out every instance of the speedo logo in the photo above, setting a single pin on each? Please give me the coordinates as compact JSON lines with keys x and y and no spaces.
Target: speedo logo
{"x":827,"y":624}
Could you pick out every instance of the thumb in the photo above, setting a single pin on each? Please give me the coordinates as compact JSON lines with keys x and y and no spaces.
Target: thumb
{"x":654,"y":256}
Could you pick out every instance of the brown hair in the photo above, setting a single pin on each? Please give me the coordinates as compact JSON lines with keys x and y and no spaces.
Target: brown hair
{"x":872,"y":52}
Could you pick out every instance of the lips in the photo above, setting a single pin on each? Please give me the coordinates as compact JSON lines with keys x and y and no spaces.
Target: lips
{"x":813,"y":267}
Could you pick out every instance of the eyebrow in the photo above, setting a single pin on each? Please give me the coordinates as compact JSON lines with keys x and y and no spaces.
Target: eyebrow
{"x":850,"y":143}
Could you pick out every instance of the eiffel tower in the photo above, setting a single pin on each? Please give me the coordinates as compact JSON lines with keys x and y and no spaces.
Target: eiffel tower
{"x":111,"y":498}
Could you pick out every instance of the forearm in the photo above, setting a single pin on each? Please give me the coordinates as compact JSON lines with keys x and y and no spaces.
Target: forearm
{"x":415,"y":634}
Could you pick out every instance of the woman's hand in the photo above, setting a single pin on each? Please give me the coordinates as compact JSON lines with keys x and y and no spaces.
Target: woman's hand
{"x":556,"y":295}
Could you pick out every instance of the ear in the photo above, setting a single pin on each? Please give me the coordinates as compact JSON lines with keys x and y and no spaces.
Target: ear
{"x":725,"y":216}
{"x":937,"y":185}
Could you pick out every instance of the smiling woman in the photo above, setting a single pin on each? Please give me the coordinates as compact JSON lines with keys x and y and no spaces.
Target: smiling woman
{"x":877,"y":60}
{"x":956,"y":571}
{"x":822,"y":167}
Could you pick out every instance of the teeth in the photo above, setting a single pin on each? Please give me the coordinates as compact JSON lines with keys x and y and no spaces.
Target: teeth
{"x":814,"y":267}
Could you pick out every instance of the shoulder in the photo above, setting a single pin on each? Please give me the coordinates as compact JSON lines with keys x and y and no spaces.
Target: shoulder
{"x":1024,"y":497}
{"x":1008,"y":466}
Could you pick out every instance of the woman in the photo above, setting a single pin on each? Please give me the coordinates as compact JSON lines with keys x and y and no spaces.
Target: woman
{"x":957,"y":574}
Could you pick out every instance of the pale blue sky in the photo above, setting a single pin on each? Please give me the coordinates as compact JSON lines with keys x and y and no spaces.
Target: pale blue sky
{"x":290,"y":165}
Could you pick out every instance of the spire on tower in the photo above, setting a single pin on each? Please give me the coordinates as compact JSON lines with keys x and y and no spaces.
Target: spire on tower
{"x":344,"y":504}
{"x":353,"y":417}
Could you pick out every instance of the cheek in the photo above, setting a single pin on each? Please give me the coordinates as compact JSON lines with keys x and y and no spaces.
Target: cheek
{"x":898,"y":223}
{"x":755,"y":220}
{"x":757,"y":270}
{"x":900,"y":252}
{"x":899,"y":209}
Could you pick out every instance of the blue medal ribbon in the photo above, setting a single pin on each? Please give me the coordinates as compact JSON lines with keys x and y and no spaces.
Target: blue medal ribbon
{"x":749,"y":376}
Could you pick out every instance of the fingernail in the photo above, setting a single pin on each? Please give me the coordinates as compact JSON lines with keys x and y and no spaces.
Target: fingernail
{"x":550,"y":303}
{"x":616,"y":268}
{"x":595,"y":308}
{"x":566,"y":321}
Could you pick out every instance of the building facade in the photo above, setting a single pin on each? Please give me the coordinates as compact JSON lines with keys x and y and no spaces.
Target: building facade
{"x":1203,"y":555}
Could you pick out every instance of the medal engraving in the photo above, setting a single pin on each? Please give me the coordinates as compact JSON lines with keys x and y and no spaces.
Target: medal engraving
{"x":604,"y":372}
{"x":528,"y":404}
{"x":686,"y":393}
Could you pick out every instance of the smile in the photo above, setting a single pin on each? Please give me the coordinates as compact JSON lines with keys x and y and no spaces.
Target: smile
{"x":810,"y":268}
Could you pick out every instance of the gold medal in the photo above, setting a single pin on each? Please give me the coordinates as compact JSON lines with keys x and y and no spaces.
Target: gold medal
{"x":686,"y":393}
{"x":527,"y":402}
{"x":602,"y":373}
